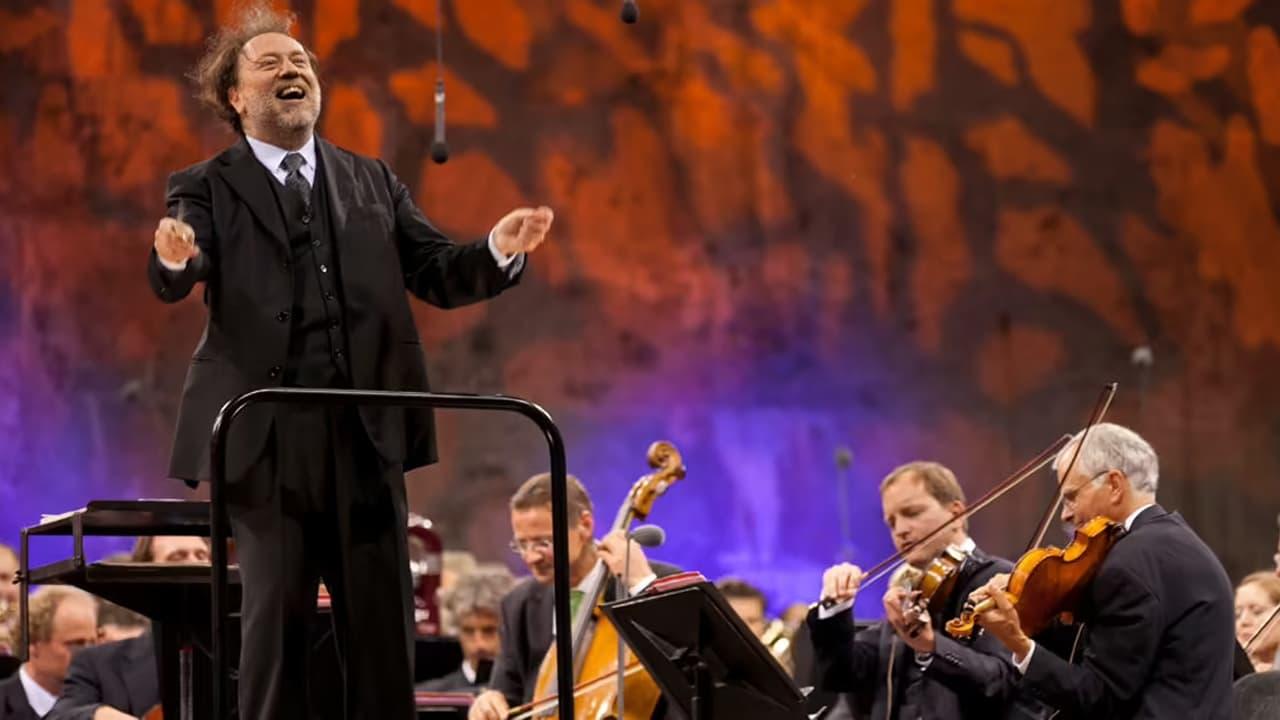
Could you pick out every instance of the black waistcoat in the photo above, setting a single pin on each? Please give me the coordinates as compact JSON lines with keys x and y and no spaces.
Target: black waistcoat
{"x":318,"y":354}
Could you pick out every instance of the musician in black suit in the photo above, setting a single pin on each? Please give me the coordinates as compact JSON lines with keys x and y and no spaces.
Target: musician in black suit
{"x":1158,"y":616}
{"x":527,"y":625}
{"x":13,"y":701}
{"x":115,"y":681}
{"x":306,"y":251}
{"x":905,"y":667}
{"x":474,"y":604}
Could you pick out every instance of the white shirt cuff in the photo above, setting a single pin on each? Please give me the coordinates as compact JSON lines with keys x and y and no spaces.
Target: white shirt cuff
{"x":825,"y":612}
{"x":642,"y":584}
{"x":1026,"y":660}
{"x":175,"y":267}
{"x":504,"y":261}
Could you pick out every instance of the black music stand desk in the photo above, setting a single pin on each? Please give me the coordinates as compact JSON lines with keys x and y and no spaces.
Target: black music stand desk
{"x":707,"y":662}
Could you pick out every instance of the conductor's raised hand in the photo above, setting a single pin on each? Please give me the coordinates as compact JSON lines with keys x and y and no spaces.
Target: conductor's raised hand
{"x":522,"y":230}
{"x":175,"y":241}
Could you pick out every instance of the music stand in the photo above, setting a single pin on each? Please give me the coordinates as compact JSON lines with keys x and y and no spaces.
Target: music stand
{"x":707,"y":662}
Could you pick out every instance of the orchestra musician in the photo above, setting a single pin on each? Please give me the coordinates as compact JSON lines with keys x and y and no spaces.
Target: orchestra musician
{"x":905,"y":667}
{"x":1159,"y":636}
{"x":527,"y":630}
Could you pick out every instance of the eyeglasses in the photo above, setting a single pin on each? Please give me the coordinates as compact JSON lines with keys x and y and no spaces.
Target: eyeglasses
{"x":1069,"y":496}
{"x":525,"y":547}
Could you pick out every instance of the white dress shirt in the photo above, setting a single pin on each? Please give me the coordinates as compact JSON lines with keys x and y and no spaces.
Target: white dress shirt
{"x":1026,"y":660}
{"x":272,"y":158}
{"x":40,"y":700}
{"x":594,"y":576}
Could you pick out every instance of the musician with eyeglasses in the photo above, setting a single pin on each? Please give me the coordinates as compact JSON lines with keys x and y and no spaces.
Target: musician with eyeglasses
{"x":527,"y":626}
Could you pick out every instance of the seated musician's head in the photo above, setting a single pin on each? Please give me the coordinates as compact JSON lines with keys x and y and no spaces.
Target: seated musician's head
{"x":475,"y":603}
{"x":8,"y":571}
{"x":1115,"y":474}
{"x":917,"y":498}
{"x":62,"y":620}
{"x":117,"y":623}
{"x":1256,"y":597}
{"x":171,"y":549}
{"x":746,"y":600}
{"x":531,"y":528}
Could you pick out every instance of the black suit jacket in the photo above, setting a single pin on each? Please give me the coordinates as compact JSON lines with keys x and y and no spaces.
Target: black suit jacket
{"x":525,"y":633}
{"x":961,"y":681}
{"x":13,"y":701}
{"x":122,"y":675}
{"x":1159,"y":637}
{"x":455,"y":681}
{"x":384,"y":246}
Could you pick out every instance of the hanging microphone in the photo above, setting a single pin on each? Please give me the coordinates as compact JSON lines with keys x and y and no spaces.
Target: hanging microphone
{"x":648,"y":535}
{"x":439,"y":148}
{"x":630,"y":12}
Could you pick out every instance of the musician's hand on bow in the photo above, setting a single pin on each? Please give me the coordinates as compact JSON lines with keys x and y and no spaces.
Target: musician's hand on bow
{"x":911,"y":622}
{"x":522,"y":230}
{"x":1002,"y":619}
{"x":489,"y":705}
{"x":840,"y":583}
{"x":175,"y":241}
{"x":613,"y":551}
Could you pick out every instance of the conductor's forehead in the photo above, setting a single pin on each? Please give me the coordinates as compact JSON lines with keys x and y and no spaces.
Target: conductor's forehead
{"x":272,"y":43}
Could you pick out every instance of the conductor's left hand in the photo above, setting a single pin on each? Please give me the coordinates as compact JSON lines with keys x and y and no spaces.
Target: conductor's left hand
{"x":522,"y":230}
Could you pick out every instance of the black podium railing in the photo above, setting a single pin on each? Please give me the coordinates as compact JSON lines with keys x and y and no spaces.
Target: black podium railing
{"x":384,"y":398}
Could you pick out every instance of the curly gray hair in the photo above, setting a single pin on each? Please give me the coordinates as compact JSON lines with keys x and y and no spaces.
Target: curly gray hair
{"x":1114,"y":447}
{"x":480,"y":590}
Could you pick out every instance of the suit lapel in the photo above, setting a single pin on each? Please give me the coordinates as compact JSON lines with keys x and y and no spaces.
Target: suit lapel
{"x":339,"y":179}
{"x":248,"y":179}
{"x":539,"y":622}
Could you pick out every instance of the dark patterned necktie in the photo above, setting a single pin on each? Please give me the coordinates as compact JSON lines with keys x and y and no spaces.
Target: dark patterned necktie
{"x":295,"y":180}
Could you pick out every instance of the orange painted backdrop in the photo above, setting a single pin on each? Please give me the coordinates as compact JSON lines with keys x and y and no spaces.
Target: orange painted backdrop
{"x":921,"y":228}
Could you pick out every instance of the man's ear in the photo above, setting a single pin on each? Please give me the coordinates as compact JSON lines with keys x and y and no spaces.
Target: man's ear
{"x":233,"y":97}
{"x":588,"y":522}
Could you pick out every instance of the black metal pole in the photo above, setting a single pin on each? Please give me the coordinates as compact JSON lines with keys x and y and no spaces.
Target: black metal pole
{"x":383,"y":398}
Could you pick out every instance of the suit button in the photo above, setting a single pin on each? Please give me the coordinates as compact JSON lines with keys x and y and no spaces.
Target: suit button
{"x":333,"y":325}
{"x":306,"y":218}
{"x":315,"y":243}
{"x":285,"y":266}
{"x":324,"y":268}
{"x":328,"y":296}
{"x":283,"y":316}
{"x":337,"y":354}
{"x":274,"y":372}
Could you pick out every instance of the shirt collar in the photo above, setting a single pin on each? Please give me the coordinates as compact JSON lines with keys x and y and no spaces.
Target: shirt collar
{"x":591,"y":577}
{"x":968,"y":546}
{"x":469,"y":672}
{"x":272,"y":155}
{"x":40,"y":700}
{"x":1128,"y":522}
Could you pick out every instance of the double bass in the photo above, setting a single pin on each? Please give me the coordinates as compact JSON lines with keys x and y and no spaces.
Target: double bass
{"x":596,"y":656}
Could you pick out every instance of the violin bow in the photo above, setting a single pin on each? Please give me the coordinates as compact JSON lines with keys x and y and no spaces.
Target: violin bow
{"x":1099,"y":411}
{"x":891,"y":563}
{"x":1262,"y":630}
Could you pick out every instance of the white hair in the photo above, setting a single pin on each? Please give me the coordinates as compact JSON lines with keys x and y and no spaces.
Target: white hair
{"x":1114,"y":447}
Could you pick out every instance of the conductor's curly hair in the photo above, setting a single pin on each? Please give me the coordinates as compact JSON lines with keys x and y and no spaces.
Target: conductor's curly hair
{"x":216,"y":72}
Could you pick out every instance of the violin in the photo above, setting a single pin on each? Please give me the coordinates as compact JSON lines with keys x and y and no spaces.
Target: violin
{"x":596,"y":656}
{"x":1048,"y":582}
{"x":932,"y":587}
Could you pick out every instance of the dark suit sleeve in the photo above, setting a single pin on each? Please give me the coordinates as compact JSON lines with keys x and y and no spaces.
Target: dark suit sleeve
{"x":187,"y":198}
{"x":508,"y":674}
{"x":81,"y":692}
{"x":1123,"y":640}
{"x":436,"y":270}
{"x":845,"y":658}
{"x":984,"y":670}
